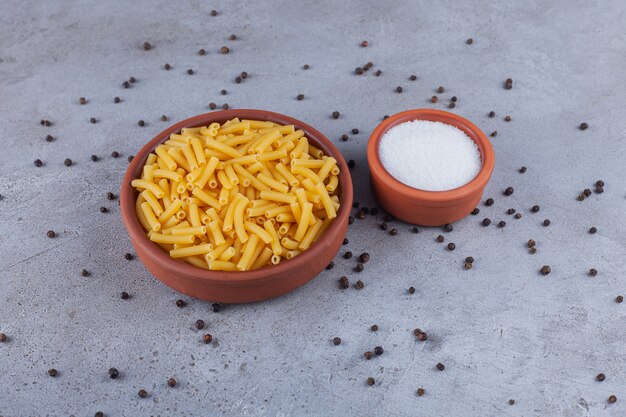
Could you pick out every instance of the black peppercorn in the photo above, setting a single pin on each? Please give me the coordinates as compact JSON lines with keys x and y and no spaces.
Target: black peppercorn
{"x":212,"y":106}
{"x":593,"y":230}
{"x":125,"y":295}
{"x":378,"y":350}
{"x":364,"y":44}
{"x":510,"y":211}
{"x":126,"y":84}
{"x":344,"y":137}
{"x":584,"y":126}
{"x":233,"y":37}
{"x":370,"y":381}
{"x":359,"y":285}
{"x":507,"y":118}
{"x":398,"y":89}
{"x":190,"y":71}
{"x":207,"y":338}
{"x":393,"y":232}
{"x":494,"y":134}
{"x":508,"y":84}
{"x":501,"y":223}
{"x":440,"y":238}
{"x":225,"y":106}
{"x":358,"y":267}
{"x":49,"y":138}
{"x":306,"y":66}
{"x":448,"y":227}
{"x":336,"y":115}
{"x":103,"y":209}
{"x":492,"y":114}
{"x":545,"y":270}
{"x":344,"y":283}
{"x":115,"y":154}
{"x":200,"y":324}
{"x":486,"y":221}
{"x":142,"y":393}
{"x":216,"y":307}
{"x":374,"y":328}
{"x":619,"y":299}
{"x":523,"y":170}
{"x":415,"y":229}
{"x":167,"y":67}
{"x":475,"y":211}
{"x":600,"y":377}
{"x":345,"y":241}
{"x":364,"y":258}
{"x":67,"y":162}
{"x":84,"y":273}
{"x":3,"y":337}
{"x":358,"y":70}
{"x":535,"y":209}
{"x":411,"y":290}
{"x":368,"y":355}
{"x":300,"y":97}
{"x":451,"y":246}
{"x":53,"y":372}
{"x":441,"y":89}
{"x":82,"y":100}
{"x":511,"y":401}
{"x":518,"y":215}
{"x":593,"y":272}
{"x":467,"y":265}
{"x":147,"y":46}
{"x":434,"y":99}
{"x":141,"y":123}
{"x":440,"y":366}
{"x":489,"y":202}
{"x":336,"y":341}
{"x":421,"y":392}
{"x":469,"y":41}
{"x":38,"y":163}
{"x":469,"y":259}
{"x":612,"y":399}
{"x":451,"y":105}
{"x":508,"y":191}
{"x":113,"y":373}
{"x":546,"y":222}
{"x":224,"y":50}
{"x":171,"y":382}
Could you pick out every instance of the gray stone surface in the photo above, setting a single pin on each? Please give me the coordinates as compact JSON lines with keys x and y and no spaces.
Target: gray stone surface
{"x":502,"y":330}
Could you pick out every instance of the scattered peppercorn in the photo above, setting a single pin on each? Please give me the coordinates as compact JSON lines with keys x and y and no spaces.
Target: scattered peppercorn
{"x":200,"y":324}
{"x":53,"y":372}
{"x":3,"y":337}
{"x":207,"y":338}
{"x":545,"y":270}
{"x":511,"y":401}
{"x":546,"y":222}
{"x":171,"y":382}
{"x":467,"y":265}
{"x":378,"y":73}
{"x":202,"y":52}
{"x":306,"y":66}
{"x":508,"y":84}
{"x":347,"y":255}
{"x":336,"y":341}
{"x":368,"y":355}
{"x":147,"y":46}
{"x":421,"y":392}
{"x":300,"y":97}
{"x":38,"y":163}
{"x":344,"y":137}
{"x":51,"y":234}
{"x":531,"y":243}
{"x":224,"y":50}
{"x":475,"y":211}
{"x":113,"y":373}
{"x":142,"y":393}
{"x":359,"y":285}
{"x":115,"y":154}
{"x":167,"y":67}
{"x":440,"y":366}
{"x":415,"y":229}
{"x":535,"y":209}
{"x":451,"y":105}
{"x":190,"y":71}
{"x":359,"y":267}
{"x":434,"y":99}
{"x":378,"y":350}
{"x":212,"y":106}
{"x":508,"y":191}
{"x":469,"y":259}
{"x":346,"y":241}
{"x":619,"y":299}
{"x":398,"y":89}
{"x":141,"y":123}
{"x":233,"y":37}
{"x":370,"y":381}
{"x":518,"y":215}
{"x":411,"y":290}
{"x":510,"y":211}
{"x":85,"y":273}
{"x":125,"y":295}
{"x":612,"y":399}
{"x":486,"y":221}
{"x":489,"y":202}
{"x":441,"y":89}
{"x":393,"y":232}
{"x":451,"y":246}
{"x":593,"y":272}
{"x":448,"y":227}
{"x":469,"y":41}
{"x":507,"y":118}
{"x":584,"y":126}
{"x":501,"y":223}
{"x":344,"y":283}
{"x":364,"y":257}
{"x":336,"y":115}
{"x":126,"y":84}
{"x":364,"y":44}
{"x":440,"y":238}
{"x":593,"y":230}
{"x":213,"y":12}
{"x":523,"y":170}
{"x":216,"y":307}
{"x":494,"y":134}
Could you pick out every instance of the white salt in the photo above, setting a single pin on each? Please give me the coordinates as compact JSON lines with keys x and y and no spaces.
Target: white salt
{"x":430,"y":156}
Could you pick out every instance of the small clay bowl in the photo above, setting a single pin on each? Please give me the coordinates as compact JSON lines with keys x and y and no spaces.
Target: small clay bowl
{"x":428,"y":208}
{"x":246,"y":286}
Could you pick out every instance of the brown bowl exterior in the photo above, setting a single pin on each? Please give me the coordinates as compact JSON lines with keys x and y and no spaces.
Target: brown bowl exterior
{"x":246,"y":286}
{"x":420,"y":207}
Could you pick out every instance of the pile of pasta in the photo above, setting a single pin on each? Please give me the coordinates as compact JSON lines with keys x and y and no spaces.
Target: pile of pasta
{"x":238,"y":196}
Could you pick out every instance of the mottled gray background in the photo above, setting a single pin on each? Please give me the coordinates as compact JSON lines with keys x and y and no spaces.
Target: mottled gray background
{"x":502,"y":330}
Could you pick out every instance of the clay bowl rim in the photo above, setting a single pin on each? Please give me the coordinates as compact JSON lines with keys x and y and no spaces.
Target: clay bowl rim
{"x":158,"y":256}
{"x":477,"y":135}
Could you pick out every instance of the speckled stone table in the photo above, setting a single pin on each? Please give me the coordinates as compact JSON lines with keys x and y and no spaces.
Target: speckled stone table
{"x":503,"y":331}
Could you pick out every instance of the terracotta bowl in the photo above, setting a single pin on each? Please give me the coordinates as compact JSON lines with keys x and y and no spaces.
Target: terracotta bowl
{"x":428,"y":208}
{"x":247,"y":286}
